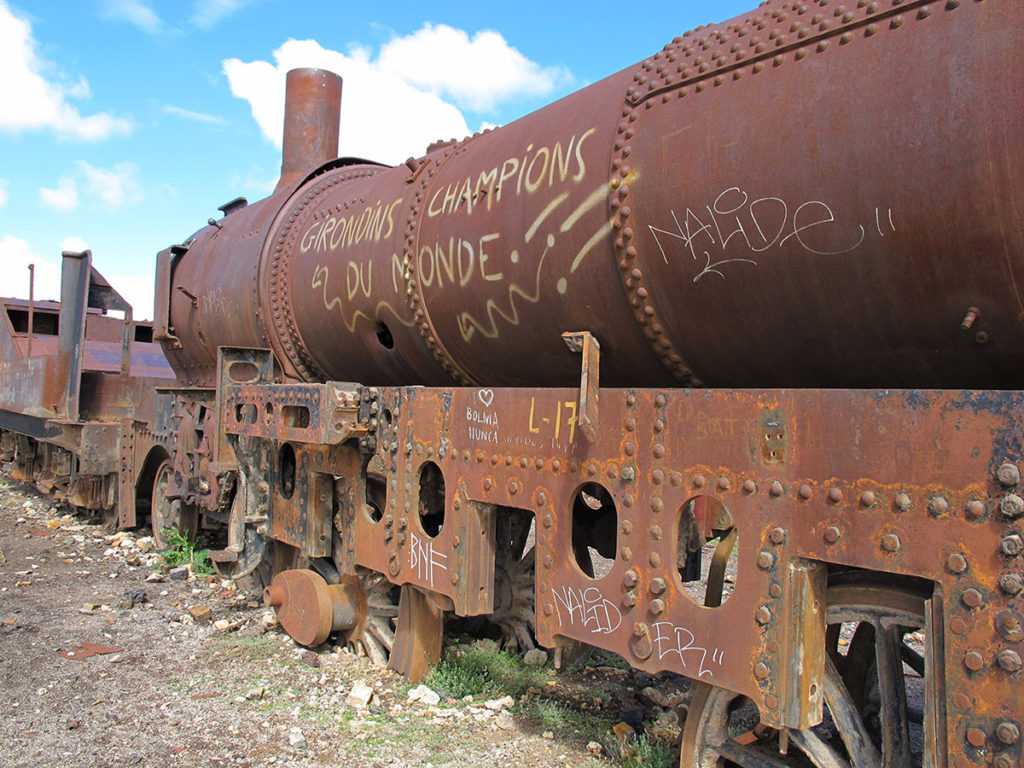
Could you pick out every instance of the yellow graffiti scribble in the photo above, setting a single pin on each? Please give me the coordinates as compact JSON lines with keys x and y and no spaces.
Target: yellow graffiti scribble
{"x":544,"y":214}
{"x":595,"y":198}
{"x":597,"y":237}
{"x":320,"y":277}
{"x":468,"y":324}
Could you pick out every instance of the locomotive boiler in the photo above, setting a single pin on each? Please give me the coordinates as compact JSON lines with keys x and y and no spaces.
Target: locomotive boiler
{"x":716,"y":364}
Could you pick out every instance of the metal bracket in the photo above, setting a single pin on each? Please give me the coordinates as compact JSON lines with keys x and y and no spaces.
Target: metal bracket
{"x":585,"y":343}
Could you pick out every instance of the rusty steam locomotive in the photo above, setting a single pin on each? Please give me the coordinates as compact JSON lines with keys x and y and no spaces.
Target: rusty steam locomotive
{"x":764,"y":289}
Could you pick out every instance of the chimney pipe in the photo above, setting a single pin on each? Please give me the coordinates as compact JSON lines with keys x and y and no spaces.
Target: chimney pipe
{"x":312,"y":116}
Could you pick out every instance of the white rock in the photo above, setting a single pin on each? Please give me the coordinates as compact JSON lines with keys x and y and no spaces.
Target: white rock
{"x":360,"y":695}
{"x":594,"y":748}
{"x":535,"y":658}
{"x":295,"y":738}
{"x":503,"y":703}
{"x":424,"y":695}
{"x":504,"y":721}
{"x":656,"y":697}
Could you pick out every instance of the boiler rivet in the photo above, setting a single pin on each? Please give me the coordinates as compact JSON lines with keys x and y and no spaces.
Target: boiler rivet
{"x":700,"y":481}
{"x":831,"y":535}
{"x":835,"y":495}
{"x":630,"y":578}
{"x":891,"y":542}
{"x":1012,"y":545}
{"x":1011,"y":584}
{"x":765,"y":560}
{"x":976,"y":737}
{"x":975,"y":509}
{"x":971,"y":598}
{"x":657,"y":504}
{"x":723,"y":483}
{"x":761,"y":670}
{"x":777,"y":535}
{"x":902,"y":502}
{"x":867,"y":499}
{"x":776,"y":489}
{"x":938,"y":506}
{"x":775,"y":590}
{"x":657,"y":585}
{"x":749,"y":486}
{"x":974,"y":661}
{"x":763,"y":615}
{"x":956,"y":563}
{"x":805,"y":492}
{"x":627,"y":527}
{"x":656,"y":606}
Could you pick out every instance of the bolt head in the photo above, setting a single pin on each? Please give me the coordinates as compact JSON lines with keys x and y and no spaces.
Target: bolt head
{"x":777,"y":535}
{"x":1012,"y":545}
{"x":776,"y":489}
{"x":1008,"y":733}
{"x":976,"y":737}
{"x":1009,"y":660}
{"x":1011,"y":583}
{"x":891,"y":542}
{"x":835,"y":495}
{"x":972,"y":598}
{"x":831,"y":534}
{"x":761,"y":670}
{"x":867,"y":499}
{"x":902,"y":502}
{"x":1012,"y":506}
{"x":974,"y":661}
{"x":764,"y":615}
{"x":956,"y":563}
{"x":1008,"y":474}
{"x":975,"y":509}
{"x":765,"y":560}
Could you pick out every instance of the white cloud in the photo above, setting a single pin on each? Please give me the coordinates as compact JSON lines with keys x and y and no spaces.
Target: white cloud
{"x":477,"y":73}
{"x":207,"y":13}
{"x":74,"y":243}
{"x":138,"y":13}
{"x":137,"y":291}
{"x":114,"y":187}
{"x":405,"y":119}
{"x":188,"y":114}
{"x":33,"y":101}
{"x":15,"y":256}
{"x":3,"y":192}
{"x":63,"y":198}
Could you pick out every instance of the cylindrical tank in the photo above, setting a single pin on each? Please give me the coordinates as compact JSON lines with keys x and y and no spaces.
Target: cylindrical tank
{"x":810,"y":195}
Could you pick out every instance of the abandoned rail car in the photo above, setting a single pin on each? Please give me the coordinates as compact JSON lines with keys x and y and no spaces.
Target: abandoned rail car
{"x":761,"y":289}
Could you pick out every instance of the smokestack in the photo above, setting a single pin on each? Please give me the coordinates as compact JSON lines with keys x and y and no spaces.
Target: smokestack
{"x":312,"y":116}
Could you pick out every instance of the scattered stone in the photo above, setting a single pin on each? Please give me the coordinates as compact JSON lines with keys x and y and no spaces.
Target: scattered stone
{"x":535,"y":658}
{"x":666,"y":727}
{"x":504,"y":702}
{"x":256,"y":693}
{"x":360,"y":695}
{"x":89,"y":608}
{"x":548,"y":735}
{"x":155,"y":577}
{"x":221,"y":625}
{"x":53,"y":524}
{"x":296,"y":738}
{"x":132,"y":597}
{"x":200,"y":613}
{"x":656,"y":697}
{"x":504,"y":721}
{"x":310,"y":659}
{"x":180,"y":573}
{"x":594,"y":748}
{"x":424,"y":695}
{"x":145,"y":544}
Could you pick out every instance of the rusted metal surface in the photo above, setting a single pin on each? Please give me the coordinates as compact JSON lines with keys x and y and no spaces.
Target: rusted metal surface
{"x":312,"y":120}
{"x":643,"y":202}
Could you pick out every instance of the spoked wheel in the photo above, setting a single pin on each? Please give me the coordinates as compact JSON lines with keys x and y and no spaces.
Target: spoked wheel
{"x":514,"y":576}
{"x":868,"y":722}
{"x":165,"y":513}
{"x":376,"y":637}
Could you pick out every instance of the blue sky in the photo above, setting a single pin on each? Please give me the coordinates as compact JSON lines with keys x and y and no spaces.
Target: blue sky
{"x":125,"y":123}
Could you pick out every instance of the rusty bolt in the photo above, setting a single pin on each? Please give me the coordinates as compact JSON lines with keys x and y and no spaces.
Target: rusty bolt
{"x":628,"y":474}
{"x":1009,"y":660}
{"x":1011,"y":583}
{"x":488,"y":483}
{"x":749,"y":486}
{"x":775,"y":590}
{"x":1008,"y":474}
{"x":629,"y":599}
{"x":1008,"y":733}
{"x":831,"y":535}
{"x":891,"y":542}
{"x":971,"y":598}
{"x":630,"y":578}
{"x":1012,"y":545}
{"x":548,"y":609}
{"x":974,"y":661}
{"x":976,"y":737}
{"x":771,"y":701}
{"x":548,"y":561}
{"x":956,"y":563}
{"x":542,"y":498}
{"x":761,"y":670}
{"x":455,"y":578}
{"x":640,"y":629}
{"x":764,"y":615}
{"x":777,"y":535}
{"x":700,"y":481}
{"x":1004,"y":761}
{"x":902,"y":502}
{"x":548,"y":521}
{"x":776,"y":489}
{"x":867,"y":499}
{"x":513,"y":487}
{"x":1012,"y":506}
{"x":656,"y":606}
{"x":657,"y":585}
{"x":655,"y":531}
{"x":957,"y":626}
{"x":835,"y":495}
{"x":938,"y":506}
{"x":805,"y":492}
{"x":975,"y":509}
{"x":626,"y":527}
{"x":402,"y":538}
{"x":765,"y":560}
{"x":723,"y":484}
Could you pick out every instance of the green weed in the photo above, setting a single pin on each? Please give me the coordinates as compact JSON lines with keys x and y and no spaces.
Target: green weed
{"x":478,"y":671}
{"x":181,"y":551}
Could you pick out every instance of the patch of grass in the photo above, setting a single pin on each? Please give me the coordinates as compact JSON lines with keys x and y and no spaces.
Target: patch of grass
{"x":482,"y":672}
{"x":181,"y":551}
{"x":651,"y":754}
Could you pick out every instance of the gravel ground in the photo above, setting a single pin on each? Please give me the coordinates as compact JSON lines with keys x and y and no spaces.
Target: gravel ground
{"x":194,"y":673}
